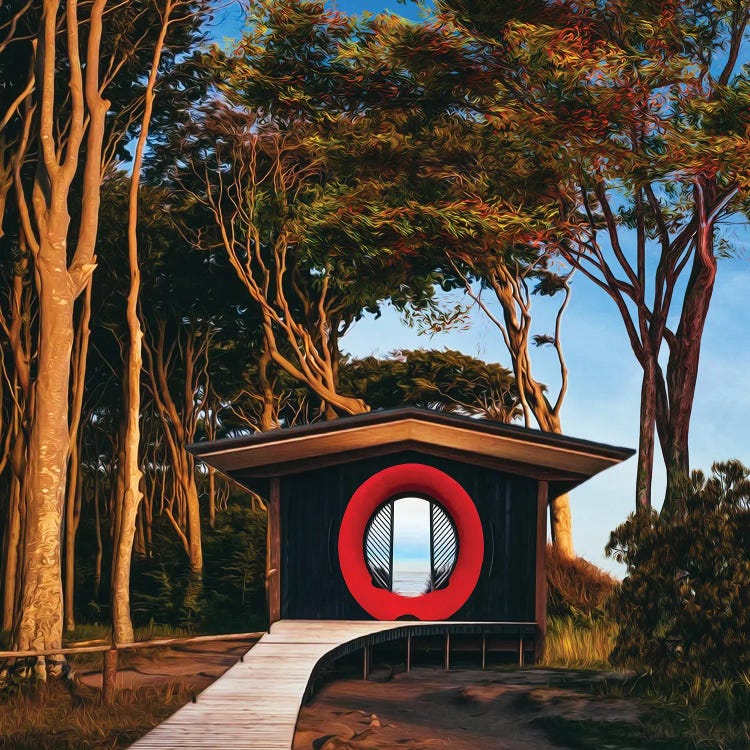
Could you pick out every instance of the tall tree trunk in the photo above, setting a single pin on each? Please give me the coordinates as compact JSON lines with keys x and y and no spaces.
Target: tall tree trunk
{"x":194,"y":525}
{"x":268,"y":416}
{"x":41,"y":621}
{"x":515,"y":327}
{"x":123,"y":627}
{"x":11,"y":544}
{"x":645,"y":469}
{"x":211,"y":497}
{"x":99,"y":546}
{"x":59,"y":282}
{"x":72,"y":519}
{"x":684,"y":353}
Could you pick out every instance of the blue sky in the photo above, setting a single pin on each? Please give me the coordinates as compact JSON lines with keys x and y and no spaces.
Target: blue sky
{"x":603,"y":397}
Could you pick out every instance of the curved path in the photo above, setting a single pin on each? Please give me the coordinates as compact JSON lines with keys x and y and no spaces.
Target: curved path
{"x":256,"y":702}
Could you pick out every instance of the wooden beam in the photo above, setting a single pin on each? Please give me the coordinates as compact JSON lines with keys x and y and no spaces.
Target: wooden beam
{"x":540,"y":609}
{"x":273,"y":552}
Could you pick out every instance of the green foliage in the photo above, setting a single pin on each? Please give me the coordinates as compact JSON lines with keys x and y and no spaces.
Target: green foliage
{"x":229,"y":597}
{"x":684,"y":607}
{"x":443,"y":380}
{"x":234,"y":576}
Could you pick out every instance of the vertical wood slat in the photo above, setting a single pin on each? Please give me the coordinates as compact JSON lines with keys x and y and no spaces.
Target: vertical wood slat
{"x":273,"y":552}
{"x":540,"y":608}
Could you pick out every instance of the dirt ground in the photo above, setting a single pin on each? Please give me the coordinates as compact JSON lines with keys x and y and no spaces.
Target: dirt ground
{"x":461,"y":710}
{"x":194,"y":665}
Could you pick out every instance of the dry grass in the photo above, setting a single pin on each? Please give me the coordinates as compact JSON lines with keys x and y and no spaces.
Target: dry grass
{"x":573,"y":644}
{"x":50,"y":717}
{"x":579,"y":634}
{"x":575,"y":586}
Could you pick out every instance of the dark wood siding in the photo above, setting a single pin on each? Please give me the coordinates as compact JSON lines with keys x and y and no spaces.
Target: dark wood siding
{"x":313,"y":504}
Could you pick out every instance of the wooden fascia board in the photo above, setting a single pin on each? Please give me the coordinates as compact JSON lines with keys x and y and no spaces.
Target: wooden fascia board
{"x":248,"y":474}
{"x":294,"y":453}
{"x":515,"y":449}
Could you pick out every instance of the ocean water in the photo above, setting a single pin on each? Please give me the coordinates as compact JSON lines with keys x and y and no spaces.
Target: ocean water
{"x":410,"y":582}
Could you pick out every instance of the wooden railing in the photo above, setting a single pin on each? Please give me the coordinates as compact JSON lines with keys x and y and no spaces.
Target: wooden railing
{"x":110,"y":653}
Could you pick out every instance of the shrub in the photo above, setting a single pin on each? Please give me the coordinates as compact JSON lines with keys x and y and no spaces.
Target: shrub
{"x":684,"y":607}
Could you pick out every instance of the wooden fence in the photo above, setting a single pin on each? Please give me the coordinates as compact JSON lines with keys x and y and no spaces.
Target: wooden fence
{"x":110,"y":653}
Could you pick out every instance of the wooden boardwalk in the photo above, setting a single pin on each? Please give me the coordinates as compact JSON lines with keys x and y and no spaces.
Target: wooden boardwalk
{"x":254,"y":705}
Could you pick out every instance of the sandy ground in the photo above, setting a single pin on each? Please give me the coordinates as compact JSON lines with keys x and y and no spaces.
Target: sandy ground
{"x":194,"y":665}
{"x":461,"y":710}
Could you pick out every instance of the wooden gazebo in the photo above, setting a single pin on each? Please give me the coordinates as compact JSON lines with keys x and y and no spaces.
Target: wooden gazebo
{"x":329,"y":486}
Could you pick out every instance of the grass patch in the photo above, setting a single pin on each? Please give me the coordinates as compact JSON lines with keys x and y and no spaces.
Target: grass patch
{"x":595,"y":735}
{"x":50,"y":717}
{"x":702,"y":716}
{"x":579,"y":633}
{"x":578,"y":643}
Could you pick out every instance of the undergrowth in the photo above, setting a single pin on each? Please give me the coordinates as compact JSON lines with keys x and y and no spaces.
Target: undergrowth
{"x":579,"y":634}
{"x":51,"y":717}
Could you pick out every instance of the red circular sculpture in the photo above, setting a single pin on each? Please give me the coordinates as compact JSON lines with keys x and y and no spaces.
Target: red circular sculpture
{"x":402,"y":480}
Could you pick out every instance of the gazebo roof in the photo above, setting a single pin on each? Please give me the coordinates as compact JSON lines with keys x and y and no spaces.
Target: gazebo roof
{"x":563,"y":461}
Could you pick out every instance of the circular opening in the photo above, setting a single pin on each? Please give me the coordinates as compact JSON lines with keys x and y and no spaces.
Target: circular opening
{"x":410,"y":546}
{"x":429,"y":483}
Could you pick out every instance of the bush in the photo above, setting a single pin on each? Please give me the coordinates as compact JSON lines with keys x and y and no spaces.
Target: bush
{"x":684,"y":607}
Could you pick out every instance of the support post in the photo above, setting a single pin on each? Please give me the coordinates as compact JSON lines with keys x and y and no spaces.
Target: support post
{"x":366,"y":662}
{"x":273,"y":552}
{"x":541,"y":574}
{"x":484,"y":650}
{"x":109,"y":676}
{"x":408,"y":652}
{"x":447,"y":650}
{"x":520,"y":651}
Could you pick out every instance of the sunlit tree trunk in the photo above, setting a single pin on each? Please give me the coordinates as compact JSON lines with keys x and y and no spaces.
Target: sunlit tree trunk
{"x":18,"y":332}
{"x":132,"y":476}
{"x":41,"y":621}
{"x":11,"y":544}
{"x":58,"y":285}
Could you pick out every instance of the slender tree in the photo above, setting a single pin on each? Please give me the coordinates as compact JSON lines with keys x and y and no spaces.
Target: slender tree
{"x":173,"y":11}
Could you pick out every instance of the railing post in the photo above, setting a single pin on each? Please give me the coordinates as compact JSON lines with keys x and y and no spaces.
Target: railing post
{"x":109,"y":676}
